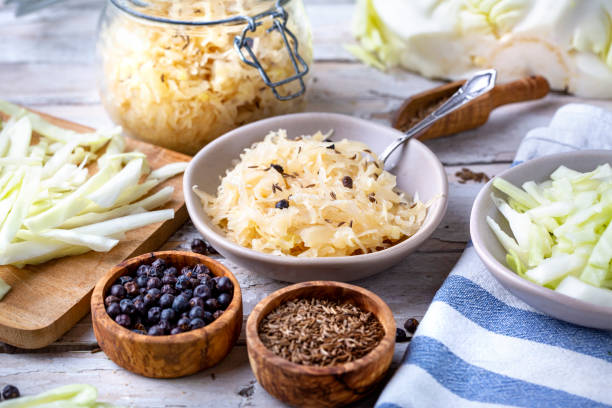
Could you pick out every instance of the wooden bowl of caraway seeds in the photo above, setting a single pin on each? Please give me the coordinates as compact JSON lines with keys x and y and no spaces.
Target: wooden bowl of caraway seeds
{"x":144,"y":346}
{"x":320,"y":343}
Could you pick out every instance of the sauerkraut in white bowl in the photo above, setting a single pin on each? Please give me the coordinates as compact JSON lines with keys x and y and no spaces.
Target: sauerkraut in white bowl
{"x":309,"y":197}
{"x":417,"y":172}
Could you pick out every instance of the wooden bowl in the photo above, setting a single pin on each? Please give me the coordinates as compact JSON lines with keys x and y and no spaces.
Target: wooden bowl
{"x":313,"y":386}
{"x":167,"y":356}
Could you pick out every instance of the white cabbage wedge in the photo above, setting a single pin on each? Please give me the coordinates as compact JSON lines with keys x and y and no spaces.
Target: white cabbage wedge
{"x":52,"y":205}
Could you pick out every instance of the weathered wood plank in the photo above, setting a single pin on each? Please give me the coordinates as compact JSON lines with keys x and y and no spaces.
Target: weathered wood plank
{"x":230,"y":384}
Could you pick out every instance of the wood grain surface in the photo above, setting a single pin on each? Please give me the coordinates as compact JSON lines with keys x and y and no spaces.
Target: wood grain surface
{"x":312,"y":386}
{"x":167,"y":356}
{"x":46,"y":300}
{"x":47,"y":62}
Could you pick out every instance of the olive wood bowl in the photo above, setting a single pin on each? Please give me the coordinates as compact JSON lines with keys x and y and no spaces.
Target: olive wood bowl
{"x":314,"y":386}
{"x":167,"y":356}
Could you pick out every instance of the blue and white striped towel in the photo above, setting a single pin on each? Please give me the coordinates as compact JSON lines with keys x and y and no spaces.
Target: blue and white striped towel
{"x":479,"y":346}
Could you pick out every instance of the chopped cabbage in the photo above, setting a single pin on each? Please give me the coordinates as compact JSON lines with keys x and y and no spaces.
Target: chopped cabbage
{"x":50,"y":204}
{"x":337,"y":202}
{"x":563,"y":231}
{"x":67,"y":396}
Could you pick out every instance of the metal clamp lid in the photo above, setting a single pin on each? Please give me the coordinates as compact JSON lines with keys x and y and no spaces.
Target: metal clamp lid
{"x":299,"y":65}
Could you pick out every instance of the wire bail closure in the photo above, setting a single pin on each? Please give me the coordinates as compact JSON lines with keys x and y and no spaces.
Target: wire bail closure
{"x":243,"y":42}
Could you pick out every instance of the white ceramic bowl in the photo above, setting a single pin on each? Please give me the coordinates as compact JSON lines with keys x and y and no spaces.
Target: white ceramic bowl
{"x":417,"y":170}
{"x":494,"y":257}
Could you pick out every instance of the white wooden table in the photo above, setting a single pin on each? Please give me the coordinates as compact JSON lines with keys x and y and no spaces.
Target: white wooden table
{"x":47,"y":63}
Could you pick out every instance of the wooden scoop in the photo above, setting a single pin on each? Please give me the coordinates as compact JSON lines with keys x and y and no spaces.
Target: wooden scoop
{"x":474,"y":114}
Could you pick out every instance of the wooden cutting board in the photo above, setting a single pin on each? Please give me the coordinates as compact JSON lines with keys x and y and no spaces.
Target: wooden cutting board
{"x":47,"y":300}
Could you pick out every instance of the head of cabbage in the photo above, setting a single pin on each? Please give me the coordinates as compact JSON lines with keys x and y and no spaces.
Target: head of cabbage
{"x":567,"y":41}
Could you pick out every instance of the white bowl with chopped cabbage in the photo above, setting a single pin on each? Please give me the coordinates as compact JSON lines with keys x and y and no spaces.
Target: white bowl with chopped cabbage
{"x":543,"y":229}
{"x":286,"y":198}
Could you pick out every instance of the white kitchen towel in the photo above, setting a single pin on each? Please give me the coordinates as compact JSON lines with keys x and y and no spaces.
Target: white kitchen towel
{"x":480,"y":346}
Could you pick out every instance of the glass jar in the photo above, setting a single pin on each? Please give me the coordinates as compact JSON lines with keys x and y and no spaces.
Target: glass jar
{"x":179,"y":73}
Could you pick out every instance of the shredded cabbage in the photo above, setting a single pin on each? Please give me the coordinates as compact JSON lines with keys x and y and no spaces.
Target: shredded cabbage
{"x":50,"y":204}
{"x":67,"y":396}
{"x":183,"y":87}
{"x":563,"y":231}
{"x":337,"y":201}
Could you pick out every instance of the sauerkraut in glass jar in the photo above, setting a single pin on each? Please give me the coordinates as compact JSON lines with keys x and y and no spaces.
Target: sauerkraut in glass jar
{"x":179,"y":73}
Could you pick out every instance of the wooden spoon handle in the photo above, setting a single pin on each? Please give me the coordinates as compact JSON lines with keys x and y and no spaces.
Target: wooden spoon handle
{"x":524,"y":89}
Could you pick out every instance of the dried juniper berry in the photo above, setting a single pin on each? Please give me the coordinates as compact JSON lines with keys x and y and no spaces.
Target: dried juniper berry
{"x":166,"y":300}
{"x":169,"y":280}
{"x":10,"y":392}
{"x":176,"y":330}
{"x":168,"y":314}
{"x":202,"y":291}
{"x":165,"y":325}
{"x":187,"y":272}
{"x":208,"y":317}
{"x":153,"y":315}
{"x":224,"y":300}
{"x":127,"y":307}
{"x":224,"y":284}
{"x":217,"y":314}
{"x":142,"y":281}
{"x":188,"y":293}
{"x":111,"y":299}
{"x":154,"y":282}
{"x":196,"y":301}
{"x":118,"y":291}
{"x":131,"y":288}
{"x":282,"y":204}
{"x":125,"y":279}
{"x":168,"y":289}
{"x":182,"y":283}
{"x":400,"y":336}
{"x":196,"y":312}
{"x":180,"y":304}
{"x":124,"y":320}
{"x":347,"y":182}
{"x":201,"y":269}
{"x":139,"y":305}
{"x":113,"y":310}
{"x":196,"y":323}
{"x":159,"y":263}
{"x":211,"y":304}
{"x":156,"y":293}
{"x":148,"y":300}
{"x":155,"y":331}
{"x":156,"y":272}
{"x":199,"y":246}
{"x":143,"y":270}
{"x":411,"y":325}
{"x":183,"y":323}
{"x":171,"y":271}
